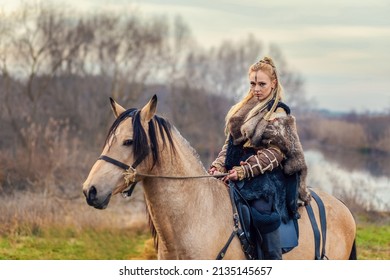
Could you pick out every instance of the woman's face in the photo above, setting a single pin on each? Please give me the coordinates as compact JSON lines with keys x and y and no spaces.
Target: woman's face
{"x":261,"y":84}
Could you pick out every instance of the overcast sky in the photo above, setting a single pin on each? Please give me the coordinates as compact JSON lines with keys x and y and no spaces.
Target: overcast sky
{"x":340,"y":47}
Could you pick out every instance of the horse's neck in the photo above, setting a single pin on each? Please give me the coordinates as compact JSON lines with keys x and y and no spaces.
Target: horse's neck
{"x":176,"y":194}
{"x":185,"y":161}
{"x":186,"y":212}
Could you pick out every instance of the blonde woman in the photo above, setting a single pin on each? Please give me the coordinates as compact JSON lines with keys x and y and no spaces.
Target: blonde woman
{"x":264,"y":156}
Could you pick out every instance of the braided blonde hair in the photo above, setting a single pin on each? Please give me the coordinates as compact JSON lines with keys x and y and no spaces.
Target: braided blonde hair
{"x":267,"y":66}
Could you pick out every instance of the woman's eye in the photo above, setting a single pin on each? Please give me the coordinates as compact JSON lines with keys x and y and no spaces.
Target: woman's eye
{"x":127,"y":142}
{"x":252,"y":84}
{"x":262,"y":84}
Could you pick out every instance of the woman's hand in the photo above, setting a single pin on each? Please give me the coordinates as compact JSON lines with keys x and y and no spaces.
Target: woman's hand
{"x":237,"y":173}
{"x":214,"y":171}
{"x":233,"y":176}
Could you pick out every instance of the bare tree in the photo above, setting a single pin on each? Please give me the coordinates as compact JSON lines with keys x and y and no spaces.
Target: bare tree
{"x":223,"y":70}
{"x":40,"y":42}
{"x":128,"y":50}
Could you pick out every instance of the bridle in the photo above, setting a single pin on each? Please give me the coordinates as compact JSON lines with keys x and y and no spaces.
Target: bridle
{"x":130,"y":173}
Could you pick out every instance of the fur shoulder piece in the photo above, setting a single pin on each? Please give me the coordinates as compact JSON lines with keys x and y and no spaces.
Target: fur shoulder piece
{"x":238,"y":120}
{"x":253,"y":129}
{"x":282,"y":132}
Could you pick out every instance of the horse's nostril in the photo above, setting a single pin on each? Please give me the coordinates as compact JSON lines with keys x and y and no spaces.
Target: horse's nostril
{"x":92,"y":193}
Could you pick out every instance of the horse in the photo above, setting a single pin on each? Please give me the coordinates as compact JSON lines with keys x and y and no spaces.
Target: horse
{"x":190,"y":211}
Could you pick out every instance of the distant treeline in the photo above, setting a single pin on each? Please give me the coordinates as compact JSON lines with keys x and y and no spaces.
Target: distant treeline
{"x":58,"y":70}
{"x":364,"y":133}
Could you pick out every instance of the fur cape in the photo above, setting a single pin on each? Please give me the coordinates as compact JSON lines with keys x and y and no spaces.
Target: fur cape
{"x":280,"y":132}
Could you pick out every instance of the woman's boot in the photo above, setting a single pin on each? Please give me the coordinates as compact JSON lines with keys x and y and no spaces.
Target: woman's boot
{"x":271,"y":246}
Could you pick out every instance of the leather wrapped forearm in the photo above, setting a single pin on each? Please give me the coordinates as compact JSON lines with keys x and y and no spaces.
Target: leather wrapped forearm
{"x":264,"y":160}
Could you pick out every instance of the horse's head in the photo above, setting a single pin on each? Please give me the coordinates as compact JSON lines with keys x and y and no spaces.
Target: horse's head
{"x":131,"y":142}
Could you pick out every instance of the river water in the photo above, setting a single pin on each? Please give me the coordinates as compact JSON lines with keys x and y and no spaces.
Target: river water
{"x":362,"y":178}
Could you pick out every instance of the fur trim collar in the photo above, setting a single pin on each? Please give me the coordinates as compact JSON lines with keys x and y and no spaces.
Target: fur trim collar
{"x":238,"y":120}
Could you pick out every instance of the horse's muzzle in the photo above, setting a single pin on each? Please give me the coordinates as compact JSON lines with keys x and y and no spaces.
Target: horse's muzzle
{"x":95,"y":201}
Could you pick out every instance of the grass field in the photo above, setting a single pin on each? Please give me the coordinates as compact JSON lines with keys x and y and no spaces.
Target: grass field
{"x":36,"y":228}
{"x":373,"y":243}
{"x":67,"y":244}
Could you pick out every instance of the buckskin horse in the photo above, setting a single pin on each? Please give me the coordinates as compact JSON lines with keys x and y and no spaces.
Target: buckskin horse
{"x":191,"y":212}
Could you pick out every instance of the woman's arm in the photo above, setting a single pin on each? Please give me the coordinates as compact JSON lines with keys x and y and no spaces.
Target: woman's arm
{"x":219,"y":163}
{"x":265,"y":159}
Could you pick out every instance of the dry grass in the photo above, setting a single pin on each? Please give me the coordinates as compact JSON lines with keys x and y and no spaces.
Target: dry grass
{"x":27,"y":212}
{"x":35,"y":226}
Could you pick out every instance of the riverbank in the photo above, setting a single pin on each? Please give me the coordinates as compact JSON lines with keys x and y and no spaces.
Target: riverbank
{"x":357,"y":187}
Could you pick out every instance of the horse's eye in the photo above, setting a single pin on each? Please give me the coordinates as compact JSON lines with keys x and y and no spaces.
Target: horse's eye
{"x":128,"y":142}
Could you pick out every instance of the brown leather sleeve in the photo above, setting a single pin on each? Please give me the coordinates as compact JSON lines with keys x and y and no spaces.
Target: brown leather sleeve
{"x":264,"y":160}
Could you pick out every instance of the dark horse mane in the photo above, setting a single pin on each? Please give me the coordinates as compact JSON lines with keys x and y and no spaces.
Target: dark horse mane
{"x":140,"y":145}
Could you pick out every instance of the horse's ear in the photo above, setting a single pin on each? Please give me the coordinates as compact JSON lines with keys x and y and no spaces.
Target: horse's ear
{"x":116,"y":108}
{"x":149,"y":109}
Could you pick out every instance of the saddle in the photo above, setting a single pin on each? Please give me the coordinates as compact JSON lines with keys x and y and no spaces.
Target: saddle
{"x":251,"y":239}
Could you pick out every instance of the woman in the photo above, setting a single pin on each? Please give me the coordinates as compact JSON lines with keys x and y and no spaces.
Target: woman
{"x":264,"y":156}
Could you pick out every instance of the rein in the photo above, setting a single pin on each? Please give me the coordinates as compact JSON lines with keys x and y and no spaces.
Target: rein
{"x":130,"y":174}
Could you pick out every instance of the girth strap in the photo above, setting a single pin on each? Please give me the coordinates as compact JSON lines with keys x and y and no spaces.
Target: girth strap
{"x":316,"y":232}
{"x":236,"y":229}
{"x":224,"y":249}
{"x":322,"y":211}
